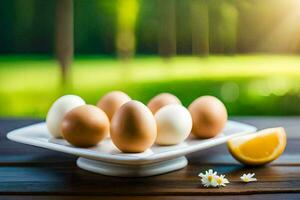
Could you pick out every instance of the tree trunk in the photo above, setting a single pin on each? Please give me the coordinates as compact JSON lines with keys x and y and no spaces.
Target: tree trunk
{"x":64,"y":37}
{"x":167,"y":28}
{"x":200,"y":27}
{"x":125,"y":38}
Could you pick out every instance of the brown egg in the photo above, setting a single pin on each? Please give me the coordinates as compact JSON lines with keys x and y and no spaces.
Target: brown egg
{"x":85,"y":126}
{"x":162,"y":100}
{"x":112,"y":101}
{"x":209,"y":116}
{"x":133,"y":128}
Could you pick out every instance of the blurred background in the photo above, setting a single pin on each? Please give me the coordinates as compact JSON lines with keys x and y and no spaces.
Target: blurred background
{"x":244,"y":52}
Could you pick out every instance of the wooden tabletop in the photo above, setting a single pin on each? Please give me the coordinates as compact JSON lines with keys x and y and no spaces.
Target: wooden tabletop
{"x":28,"y":172}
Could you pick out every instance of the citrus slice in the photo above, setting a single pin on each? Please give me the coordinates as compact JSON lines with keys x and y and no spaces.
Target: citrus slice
{"x":258,"y":148}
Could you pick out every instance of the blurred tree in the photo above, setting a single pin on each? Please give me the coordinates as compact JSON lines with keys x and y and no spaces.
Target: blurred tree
{"x":147,"y":27}
{"x":27,"y":26}
{"x":270,"y":27}
{"x":23,"y":24}
{"x":125,"y":38}
{"x":41,"y":29}
{"x":183,"y":28}
{"x":95,"y":26}
{"x":223,"y":18}
{"x":64,"y":36}
{"x":200,"y":27}
{"x":230,"y":26}
{"x":229,"y":14}
{"x":6,"y":30}
{"x":30,"y":26}
{"x":167,"y":28}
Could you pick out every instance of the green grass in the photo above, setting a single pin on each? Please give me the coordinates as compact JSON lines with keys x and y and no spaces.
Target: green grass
{"x":248,"y":85}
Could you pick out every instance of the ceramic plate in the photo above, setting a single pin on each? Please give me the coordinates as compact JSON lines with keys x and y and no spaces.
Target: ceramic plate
{"x":38,"y":135}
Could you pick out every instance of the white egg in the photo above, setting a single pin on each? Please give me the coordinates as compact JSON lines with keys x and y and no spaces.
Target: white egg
{"x":174,"y":124}
{"x":58,"y":110}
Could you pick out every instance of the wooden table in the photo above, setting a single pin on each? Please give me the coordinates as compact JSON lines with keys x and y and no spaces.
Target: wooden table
{"x":34,"y":173}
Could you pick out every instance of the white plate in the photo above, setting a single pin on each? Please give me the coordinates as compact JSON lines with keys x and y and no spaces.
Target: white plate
{"x":107,"y":159}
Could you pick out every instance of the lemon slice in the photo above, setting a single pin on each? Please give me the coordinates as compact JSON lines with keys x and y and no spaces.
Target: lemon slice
{"x":258,"y":148}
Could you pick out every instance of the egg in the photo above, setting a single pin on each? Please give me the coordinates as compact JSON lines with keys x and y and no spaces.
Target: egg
{"x":85,"y":126}
{"x":133,"y":128}
{"x":162,"y":100}
{"x":58,"y":110}
{"x":209,"y":116}
{"x":174,"y":124}
{"x":112,"y":101}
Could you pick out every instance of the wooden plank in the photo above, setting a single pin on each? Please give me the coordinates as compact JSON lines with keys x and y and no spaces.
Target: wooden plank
{"x":291,"y":196}
{"x":13,"y":153}
{"x":26,"y":170}
{"x":71,"y":180}
{"x":9,"y":124}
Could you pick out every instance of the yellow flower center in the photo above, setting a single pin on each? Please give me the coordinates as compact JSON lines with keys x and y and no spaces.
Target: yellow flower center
{"x":209,"y":178}
{"x":246,"y":179}
{"x":219,"y":180}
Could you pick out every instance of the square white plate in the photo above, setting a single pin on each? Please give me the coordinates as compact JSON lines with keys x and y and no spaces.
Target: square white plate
{"x":38,"y":135}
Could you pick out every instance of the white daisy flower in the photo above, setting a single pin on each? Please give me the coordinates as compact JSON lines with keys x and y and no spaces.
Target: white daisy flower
{"x":209,"y":178}
{"x":248,"y":178}
{"x":221,"y":180}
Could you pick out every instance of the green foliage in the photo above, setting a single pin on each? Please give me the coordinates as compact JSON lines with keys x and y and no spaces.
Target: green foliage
{"x":248,"y":85}
{"x":231,"y":26}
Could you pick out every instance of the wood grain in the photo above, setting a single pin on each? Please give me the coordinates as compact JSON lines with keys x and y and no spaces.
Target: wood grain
{"x":281,"y":196}
{"x":27,"y":171}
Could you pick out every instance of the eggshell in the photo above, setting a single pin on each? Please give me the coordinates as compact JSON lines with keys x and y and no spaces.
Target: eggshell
{"x":58,"y":110}
{"x":112,"y":101}
{"x":174,"y":124}
{"x":85,"y":126}
{"x":209,"y":116}
{"x":162,"y":100}
{"x":133,"y":128}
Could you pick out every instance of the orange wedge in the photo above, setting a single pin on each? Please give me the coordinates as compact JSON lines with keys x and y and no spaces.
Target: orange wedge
{"x":258,"y":148}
